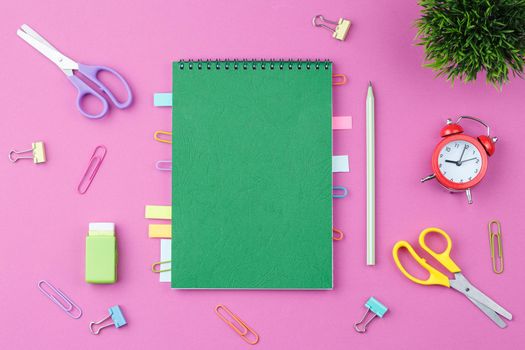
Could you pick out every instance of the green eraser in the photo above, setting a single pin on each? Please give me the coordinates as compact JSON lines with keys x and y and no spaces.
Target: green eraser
{"x":101,"y":259}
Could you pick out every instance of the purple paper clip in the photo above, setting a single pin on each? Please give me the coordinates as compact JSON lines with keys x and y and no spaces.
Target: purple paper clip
{"x":163,"y":165}
{"x":92,"y":169}
{"x":68,"y":306}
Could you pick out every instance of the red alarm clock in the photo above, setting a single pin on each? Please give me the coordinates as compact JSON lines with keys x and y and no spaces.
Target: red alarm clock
{"x":460,"y":161}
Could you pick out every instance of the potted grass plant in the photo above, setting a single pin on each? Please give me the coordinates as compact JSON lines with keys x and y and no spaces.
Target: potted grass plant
{"x":465,"y":37}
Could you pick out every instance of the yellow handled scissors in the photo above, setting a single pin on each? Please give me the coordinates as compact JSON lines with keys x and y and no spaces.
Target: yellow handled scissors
{"x":458,"y":283}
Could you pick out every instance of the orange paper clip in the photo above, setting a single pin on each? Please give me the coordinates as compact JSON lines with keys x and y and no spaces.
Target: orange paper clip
{"x":244,"y":331}
{"x":162,"y":139}
{"x":338,"y":79}
{"x":92,"y":169}
{"x":156,"y":267}
{"x":338,"y":234}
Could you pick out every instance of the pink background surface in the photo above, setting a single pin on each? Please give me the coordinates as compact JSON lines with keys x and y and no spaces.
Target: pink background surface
{"x":44,"y":221}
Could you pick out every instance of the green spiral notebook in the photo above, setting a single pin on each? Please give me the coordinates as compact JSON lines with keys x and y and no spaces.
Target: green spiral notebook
{"x":252,"y":175}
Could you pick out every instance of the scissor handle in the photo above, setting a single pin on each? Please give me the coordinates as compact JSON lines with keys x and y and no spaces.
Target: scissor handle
{"x":91,"y":72}
{"x":86,"y":90}
{"x":443,"y":257}
{"x":435,"y":277}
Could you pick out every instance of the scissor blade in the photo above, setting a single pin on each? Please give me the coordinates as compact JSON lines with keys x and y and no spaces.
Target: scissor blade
{"x":477,"y":295}
{"x":461,"y":284}
{"x":61,"y":60}
{"x":490,"y":313}
{"x":28,"y":30}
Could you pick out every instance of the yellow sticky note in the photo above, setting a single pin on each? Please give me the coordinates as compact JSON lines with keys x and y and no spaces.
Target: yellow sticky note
{"x":158,"y":212}
{"x":159,"y":231}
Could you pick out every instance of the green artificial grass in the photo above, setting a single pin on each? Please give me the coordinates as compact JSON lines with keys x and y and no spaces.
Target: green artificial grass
{"x":465,"y":37}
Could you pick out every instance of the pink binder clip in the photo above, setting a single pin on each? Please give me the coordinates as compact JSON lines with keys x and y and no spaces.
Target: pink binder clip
{"x":92,"y":169}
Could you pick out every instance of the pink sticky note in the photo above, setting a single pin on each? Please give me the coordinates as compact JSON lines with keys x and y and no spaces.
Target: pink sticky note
{"x":341,"y":123}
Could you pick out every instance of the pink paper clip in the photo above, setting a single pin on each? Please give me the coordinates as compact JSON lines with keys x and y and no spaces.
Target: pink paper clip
{"x":92,"y":169}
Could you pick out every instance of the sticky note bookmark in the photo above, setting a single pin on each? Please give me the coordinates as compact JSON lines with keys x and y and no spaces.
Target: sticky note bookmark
{"x":341,"y":123}
{"x":340,"y":164}
{"x":162,"y":212}
{"x":162,"y":99}
{"x":165,"y":255}
{"x":159,"y":231}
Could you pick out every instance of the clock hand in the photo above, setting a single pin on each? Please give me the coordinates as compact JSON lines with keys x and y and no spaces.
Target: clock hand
{"x":462,"y":153}
{"x":466,"y":160}
{"x":451,"y":161}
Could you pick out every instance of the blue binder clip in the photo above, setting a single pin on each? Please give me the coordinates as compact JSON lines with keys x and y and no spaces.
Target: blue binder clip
{"x":116,"y":316}
{"x":373,"y":305}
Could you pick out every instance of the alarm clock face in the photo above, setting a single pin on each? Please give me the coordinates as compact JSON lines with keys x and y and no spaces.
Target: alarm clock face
{"x":460,"y":161}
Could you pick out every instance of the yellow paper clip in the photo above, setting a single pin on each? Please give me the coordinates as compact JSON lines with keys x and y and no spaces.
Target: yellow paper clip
{"x":495,"y":256}
{"x":158,"y":270}
{"x":244,"y":331}
{"x":341,"y":27}
{"x":37,"y":148}
{"x":339,"y":234}
{"x":162,"y":139}
{"x":339,"y":79}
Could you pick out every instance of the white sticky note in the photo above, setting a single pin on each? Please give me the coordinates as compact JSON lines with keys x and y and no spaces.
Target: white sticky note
{"x":340,"y":164}
{"x":165,"y":254}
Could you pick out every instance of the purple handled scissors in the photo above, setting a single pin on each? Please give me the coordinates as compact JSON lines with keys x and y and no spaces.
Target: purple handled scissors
{"x":68,"y":66}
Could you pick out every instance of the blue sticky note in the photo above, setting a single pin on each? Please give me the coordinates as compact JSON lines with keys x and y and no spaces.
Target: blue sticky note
{"x":162,"y":99}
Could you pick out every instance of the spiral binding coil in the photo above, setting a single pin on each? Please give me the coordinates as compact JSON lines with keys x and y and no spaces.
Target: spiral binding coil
{"x":253,"y":64}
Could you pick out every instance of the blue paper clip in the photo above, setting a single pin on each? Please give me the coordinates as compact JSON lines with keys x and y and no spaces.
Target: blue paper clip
{"x":116,"y":316}
{"x":373,"y":305}
{"x":344,"y":191}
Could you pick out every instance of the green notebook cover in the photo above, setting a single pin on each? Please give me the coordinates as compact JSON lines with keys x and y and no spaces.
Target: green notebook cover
{"x":252,"y":175}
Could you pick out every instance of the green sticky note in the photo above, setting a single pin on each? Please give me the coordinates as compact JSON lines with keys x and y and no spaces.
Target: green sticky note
{"x":252,"y":175}
{"x":101,"y":259}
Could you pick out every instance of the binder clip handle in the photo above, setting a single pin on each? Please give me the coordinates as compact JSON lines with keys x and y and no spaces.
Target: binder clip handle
{"x":38,"y":153}
{"x":339,"y":32}
{"x":373,"y":306}
{"x":17,"y":157}
{"x":117,"y":317}
{"x":318,"y":20}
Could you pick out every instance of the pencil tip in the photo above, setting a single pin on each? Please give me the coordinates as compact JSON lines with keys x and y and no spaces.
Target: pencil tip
{"x":370,"y":83}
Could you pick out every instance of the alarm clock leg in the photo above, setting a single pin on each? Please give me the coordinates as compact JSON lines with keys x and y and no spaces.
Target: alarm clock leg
{"x":429,"y":177}
{"x":469,"y":196}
